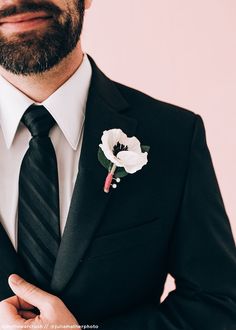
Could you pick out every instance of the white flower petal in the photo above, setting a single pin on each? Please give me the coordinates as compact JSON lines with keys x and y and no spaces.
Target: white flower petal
{"x":112,"y":137}
{"x":133,"y":144}
{"x":132,"y":161}
{"x":118,"y":162}
{"x":110,"y":156}
{"x":109,"y":140}
{"x":107,"y":152}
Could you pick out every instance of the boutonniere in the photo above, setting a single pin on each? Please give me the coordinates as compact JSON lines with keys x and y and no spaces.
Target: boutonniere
{"x":120,"y":155}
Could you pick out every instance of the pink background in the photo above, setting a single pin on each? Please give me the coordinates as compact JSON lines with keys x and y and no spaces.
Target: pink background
{"x":182,"y":52}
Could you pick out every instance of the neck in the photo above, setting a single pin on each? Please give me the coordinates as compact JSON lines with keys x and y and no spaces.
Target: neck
{"x":40,"y":86}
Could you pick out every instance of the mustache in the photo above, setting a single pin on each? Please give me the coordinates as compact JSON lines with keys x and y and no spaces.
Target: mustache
{"x":48,"y":7}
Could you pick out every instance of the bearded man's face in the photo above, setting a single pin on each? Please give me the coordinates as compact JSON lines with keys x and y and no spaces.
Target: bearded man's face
{"x":37,"y":35}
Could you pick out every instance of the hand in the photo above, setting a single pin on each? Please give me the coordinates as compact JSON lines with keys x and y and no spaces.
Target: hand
{"x":17,"y":310}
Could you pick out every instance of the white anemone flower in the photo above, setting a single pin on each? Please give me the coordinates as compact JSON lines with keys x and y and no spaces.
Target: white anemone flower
{"x":123,"y":151}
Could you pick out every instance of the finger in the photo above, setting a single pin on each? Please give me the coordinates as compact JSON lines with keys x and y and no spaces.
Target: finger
{"x":28,"y":292}
{"x":14,"y":301}
{"x":27,"y":315}
{"x":7,"y":310}
{"x":18,"y":303}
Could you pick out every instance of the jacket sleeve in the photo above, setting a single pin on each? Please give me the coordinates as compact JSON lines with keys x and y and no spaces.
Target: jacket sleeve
{"x":202,"y":258}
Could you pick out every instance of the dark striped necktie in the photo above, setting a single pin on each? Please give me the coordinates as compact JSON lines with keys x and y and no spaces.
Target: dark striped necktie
{"x":38,"y":207}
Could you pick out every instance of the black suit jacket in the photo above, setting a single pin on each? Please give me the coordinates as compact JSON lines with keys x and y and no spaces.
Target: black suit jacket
{"x":118,"y":248}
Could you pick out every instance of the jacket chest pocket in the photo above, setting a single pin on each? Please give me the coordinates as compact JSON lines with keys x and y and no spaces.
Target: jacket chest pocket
{"x":124,"y":241}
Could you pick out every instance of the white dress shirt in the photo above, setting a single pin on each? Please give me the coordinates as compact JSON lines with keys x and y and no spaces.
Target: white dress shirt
{"x":67,"y":105}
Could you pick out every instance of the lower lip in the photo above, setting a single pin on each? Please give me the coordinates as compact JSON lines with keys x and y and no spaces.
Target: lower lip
{"x":25,"y":25}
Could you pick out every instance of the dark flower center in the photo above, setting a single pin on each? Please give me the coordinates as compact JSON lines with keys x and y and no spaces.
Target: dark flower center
{"x":119,"y":147}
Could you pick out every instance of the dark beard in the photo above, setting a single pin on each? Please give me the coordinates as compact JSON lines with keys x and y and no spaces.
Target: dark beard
{"x":38,"y":51}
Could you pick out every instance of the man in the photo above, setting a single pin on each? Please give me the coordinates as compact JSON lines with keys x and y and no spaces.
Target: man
{"x":83,"y":256}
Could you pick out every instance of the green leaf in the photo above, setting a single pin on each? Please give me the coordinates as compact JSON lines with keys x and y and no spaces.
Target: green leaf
{"x":145,"y":148}
{"x":103,"y":160}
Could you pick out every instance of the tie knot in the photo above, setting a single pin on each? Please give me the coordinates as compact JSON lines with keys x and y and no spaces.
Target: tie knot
{"x":38,"y":120}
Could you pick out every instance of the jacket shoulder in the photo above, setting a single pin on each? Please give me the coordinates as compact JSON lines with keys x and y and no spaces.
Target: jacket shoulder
{"x":145,"y":103}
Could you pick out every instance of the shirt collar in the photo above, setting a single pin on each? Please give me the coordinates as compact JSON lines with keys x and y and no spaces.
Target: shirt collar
{"x":67,"y":105}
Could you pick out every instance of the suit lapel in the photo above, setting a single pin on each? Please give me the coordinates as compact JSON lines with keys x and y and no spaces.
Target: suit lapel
{"x":104,"y":111}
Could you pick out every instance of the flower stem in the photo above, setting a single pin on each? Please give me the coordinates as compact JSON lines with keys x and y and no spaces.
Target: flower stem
{"x":109,"y":179}
{"x":113,"y":169}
